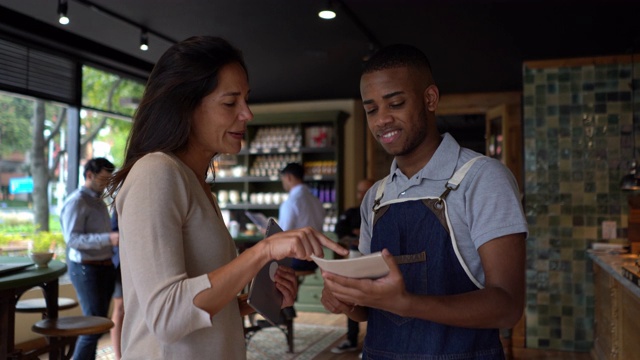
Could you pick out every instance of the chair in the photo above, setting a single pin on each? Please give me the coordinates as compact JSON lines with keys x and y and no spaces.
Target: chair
{"x":63,"y":332}
{"x":39,"y":305}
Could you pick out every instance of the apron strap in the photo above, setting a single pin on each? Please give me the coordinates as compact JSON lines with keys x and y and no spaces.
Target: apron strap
{"x":457,"y":177}
{"x":379,"y":194}
{"x":452,"y":184}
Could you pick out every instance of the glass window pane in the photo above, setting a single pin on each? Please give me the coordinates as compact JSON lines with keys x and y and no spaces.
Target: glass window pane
{"x":102,"y":135}
{"x":109,"y":92}
{"x":32,"y":171}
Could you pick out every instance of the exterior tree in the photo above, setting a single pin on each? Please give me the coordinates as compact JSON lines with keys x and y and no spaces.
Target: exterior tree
{"x":39,"y":170}
{"x":101,"y":90}
{"x":15,"y":128}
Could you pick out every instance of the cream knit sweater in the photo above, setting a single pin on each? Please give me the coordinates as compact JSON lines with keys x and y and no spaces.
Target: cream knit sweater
{"x":170,"y":238}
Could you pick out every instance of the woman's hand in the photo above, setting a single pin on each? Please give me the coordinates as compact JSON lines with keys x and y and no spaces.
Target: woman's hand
{"x":287,"y":284}
{"x":301,"y":244}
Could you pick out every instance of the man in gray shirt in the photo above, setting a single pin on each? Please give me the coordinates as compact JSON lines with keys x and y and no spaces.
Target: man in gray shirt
{"x":86,"y":226}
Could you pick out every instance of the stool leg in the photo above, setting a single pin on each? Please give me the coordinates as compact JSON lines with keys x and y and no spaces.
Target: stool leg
{"x":72,"y":347}
{"x":61,"y":347}
{"x":290,"y":335}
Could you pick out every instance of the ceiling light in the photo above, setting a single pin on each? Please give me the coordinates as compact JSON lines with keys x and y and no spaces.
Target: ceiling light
{"x":631,"y":181}
{"x":144,"y":40}
{"x":327,"y":13}
{"x":62,"y":12}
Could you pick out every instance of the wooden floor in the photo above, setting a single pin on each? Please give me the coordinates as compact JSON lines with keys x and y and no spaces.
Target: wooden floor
{"x":340,"y":320}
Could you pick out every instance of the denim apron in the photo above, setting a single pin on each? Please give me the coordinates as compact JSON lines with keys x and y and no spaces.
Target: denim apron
{"x":417,"y":232}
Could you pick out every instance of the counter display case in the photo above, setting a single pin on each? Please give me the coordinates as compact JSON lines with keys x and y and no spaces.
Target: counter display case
{"x":617,"y":307}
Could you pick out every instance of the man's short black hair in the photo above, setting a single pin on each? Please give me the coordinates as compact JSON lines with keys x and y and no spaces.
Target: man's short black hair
{"x":294,"y":169}
{"x":395,"y":56}
{"x":96,"y":165}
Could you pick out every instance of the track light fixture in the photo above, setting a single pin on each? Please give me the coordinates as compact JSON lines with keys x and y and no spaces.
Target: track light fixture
{"x":144,"y":40}
{"x":144,"y":36}
{"x":327,"y":13}
{"x":62,"y":12}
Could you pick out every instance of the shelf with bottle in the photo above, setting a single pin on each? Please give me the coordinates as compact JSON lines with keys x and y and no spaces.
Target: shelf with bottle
{"x":271,"y":198}
{"x":250,"y":180}
{"x":266,"y":167}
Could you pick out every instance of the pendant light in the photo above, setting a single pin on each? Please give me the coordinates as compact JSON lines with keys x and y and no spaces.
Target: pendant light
{"x":328,"y":12}
{"x":62,"y":12}
{"x":631,"y":181}
{"x":144,"y":40}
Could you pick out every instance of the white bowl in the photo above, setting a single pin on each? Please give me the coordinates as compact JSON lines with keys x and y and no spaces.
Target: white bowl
{"x":41,"y":259}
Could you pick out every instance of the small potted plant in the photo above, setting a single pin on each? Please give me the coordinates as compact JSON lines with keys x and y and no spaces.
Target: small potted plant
{"x":42,"y":247}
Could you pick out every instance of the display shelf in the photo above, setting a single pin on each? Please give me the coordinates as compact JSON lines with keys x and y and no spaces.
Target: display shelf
{"x":250,"y":179}
{"x":287,"y":150}
{"x":273,"y":178}
{"x":249,"y":206}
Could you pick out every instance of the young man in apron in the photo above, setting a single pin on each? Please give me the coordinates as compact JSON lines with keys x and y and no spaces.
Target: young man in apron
{"x":449,"y":222}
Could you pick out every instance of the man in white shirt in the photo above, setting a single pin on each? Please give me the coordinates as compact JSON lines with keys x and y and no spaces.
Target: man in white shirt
{"x":300,"y":209}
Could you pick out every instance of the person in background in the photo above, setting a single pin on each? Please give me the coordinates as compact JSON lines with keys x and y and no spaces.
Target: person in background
{"x":448,"y":221}
{"x":86,"y":228}
{"x":117,"y":315}
{"x":301,"y":208}
{"x":348,"y":231}
{"x":180,"y":269}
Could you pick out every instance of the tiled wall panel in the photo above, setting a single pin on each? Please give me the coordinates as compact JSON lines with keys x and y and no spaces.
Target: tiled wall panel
{"x":579,"y":140}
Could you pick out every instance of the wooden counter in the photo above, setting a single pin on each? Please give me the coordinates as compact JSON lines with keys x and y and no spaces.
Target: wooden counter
{"x":617,"y":308}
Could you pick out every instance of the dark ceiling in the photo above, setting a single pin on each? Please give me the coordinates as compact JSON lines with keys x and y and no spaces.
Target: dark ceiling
{"x":474,"y":46}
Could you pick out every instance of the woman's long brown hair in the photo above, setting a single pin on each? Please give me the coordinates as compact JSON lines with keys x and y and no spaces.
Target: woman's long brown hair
{"x":185,"y":74}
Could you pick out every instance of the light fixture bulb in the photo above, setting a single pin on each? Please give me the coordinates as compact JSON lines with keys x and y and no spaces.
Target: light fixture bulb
{"x":144,"y":41}
{"x":62,"y":12}
{"x":327,"y":14}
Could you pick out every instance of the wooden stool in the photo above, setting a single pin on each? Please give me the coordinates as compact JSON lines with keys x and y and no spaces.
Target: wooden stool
{"x":64,"y":331}
{"x":40,"y":305}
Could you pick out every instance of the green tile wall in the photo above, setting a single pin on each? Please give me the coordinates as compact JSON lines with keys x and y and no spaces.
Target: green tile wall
{"x":578,"y":140}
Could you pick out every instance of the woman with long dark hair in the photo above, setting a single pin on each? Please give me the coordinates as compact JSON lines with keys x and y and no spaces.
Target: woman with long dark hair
{"x":180,"y":272}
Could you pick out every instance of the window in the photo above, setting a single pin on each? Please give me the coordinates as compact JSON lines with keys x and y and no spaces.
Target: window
{"x":34,"y":159}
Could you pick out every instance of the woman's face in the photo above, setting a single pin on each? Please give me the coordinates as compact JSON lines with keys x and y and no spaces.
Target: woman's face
{"x":220,"y":121}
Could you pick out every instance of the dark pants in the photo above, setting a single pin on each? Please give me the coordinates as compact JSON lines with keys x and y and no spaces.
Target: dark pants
{"x":94,"y":286}
{"x":353,"y":327}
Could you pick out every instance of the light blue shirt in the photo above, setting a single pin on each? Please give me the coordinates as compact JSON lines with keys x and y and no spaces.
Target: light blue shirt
{"x":301,"y":209}
{"x":486,"y":205}
{"x":86,"y":225}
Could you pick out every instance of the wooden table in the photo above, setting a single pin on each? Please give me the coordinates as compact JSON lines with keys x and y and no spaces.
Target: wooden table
{"x":12,"y":287}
